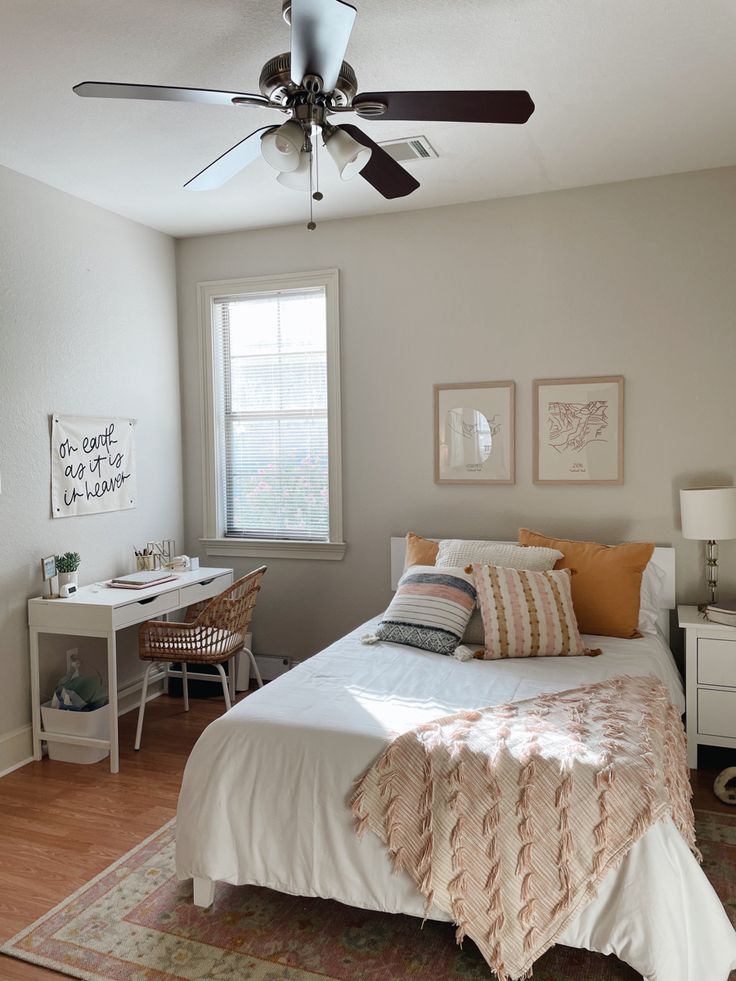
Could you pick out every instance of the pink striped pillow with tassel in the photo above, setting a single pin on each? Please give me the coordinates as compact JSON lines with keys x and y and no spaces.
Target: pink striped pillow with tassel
{"x":527,"y":614}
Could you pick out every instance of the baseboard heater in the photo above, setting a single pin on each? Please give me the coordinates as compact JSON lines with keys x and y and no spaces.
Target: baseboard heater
{"x":270,"y":665}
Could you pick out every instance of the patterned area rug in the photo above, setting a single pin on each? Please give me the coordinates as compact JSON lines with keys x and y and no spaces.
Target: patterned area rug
{"x":135,"y":922}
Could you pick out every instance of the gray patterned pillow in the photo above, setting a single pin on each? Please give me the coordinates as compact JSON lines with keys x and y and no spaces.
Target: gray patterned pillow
{"x":474,"y":634}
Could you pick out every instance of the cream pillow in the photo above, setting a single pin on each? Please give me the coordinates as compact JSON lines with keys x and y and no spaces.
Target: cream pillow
{"x":652,"y":583}
{"x":460,"y":552}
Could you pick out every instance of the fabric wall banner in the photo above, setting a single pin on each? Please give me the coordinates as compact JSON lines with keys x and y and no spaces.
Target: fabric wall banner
{"x":92,"y":465}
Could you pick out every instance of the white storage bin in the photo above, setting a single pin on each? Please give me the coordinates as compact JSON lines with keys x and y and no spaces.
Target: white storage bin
{"x":95,"y":725}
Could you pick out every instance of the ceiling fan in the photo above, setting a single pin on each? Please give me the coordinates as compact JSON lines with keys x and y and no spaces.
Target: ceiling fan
{"x":310,"y":84}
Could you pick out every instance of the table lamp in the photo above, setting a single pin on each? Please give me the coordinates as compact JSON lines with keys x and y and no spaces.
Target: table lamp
{"x":709,"y":514}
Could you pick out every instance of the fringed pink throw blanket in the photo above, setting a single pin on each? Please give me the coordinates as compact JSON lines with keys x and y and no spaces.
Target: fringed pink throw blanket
{"x":509,"y":817}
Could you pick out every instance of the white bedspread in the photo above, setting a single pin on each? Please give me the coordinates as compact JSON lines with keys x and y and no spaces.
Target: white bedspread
{"x":263,"y":799}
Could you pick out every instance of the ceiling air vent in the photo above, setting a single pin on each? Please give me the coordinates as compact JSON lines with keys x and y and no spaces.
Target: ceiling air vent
{"x":409,"y":148}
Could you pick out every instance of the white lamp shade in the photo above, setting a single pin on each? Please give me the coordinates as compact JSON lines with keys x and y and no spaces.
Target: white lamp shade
{"x":297,"y":180}
{"x":349,"y":155}
{"x":281,"y":147}
{"x":708,"y":513}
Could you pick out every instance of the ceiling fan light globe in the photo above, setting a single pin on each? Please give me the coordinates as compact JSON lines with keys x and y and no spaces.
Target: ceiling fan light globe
{"x":296,"y":180}
{"x":281,"y":147}
{"x":354,"y":166}
{"x":350,"y":156}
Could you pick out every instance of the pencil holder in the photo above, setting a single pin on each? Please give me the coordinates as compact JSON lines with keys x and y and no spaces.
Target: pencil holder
{"x":146,"y":563}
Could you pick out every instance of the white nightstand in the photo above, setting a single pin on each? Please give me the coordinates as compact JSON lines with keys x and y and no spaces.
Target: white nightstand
{"x":710,"y":681}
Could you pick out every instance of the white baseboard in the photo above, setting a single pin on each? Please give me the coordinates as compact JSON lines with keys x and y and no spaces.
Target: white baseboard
{"x":16,"y":749}
{"x":131,"y":699}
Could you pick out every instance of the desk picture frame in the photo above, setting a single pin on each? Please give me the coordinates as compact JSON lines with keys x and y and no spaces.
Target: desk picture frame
{"x":48,"y":567}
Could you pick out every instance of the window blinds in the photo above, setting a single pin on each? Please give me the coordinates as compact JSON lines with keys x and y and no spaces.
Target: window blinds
{"x":274,"y":446}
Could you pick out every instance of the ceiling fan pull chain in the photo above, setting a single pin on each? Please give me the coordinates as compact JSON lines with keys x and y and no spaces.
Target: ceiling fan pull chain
{"x":318,"y":195}
{"x":311,"y":224}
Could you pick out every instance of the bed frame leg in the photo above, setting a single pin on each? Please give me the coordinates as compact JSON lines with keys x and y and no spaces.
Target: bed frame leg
{"x":204,"y":892}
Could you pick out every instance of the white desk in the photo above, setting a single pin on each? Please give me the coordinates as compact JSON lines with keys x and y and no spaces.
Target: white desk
{"x":100,"y":612}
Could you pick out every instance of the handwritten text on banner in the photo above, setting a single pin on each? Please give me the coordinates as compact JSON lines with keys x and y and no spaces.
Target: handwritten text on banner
{"x":92,"y":465}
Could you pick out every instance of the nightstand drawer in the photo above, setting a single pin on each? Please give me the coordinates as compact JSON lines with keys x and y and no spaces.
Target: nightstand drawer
{"x":717,"y":662}
{"x":716,"y":713}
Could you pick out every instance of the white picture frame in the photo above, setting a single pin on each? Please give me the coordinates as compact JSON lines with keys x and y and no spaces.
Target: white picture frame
{"x":578,"y":430}
{"x":48,"y":567}
{"x":474,"y":432}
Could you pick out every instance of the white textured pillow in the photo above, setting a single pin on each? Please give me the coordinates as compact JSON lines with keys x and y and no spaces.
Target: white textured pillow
{"x":652,"y":582}
{"x":531,"y":558}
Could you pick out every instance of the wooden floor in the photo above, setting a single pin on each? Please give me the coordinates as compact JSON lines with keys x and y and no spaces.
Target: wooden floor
{"x":61,"y":824}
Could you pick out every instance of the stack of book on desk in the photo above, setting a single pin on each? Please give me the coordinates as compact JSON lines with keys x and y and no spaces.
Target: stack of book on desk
{"x":140,"y":580}
{"x":722,"y":613}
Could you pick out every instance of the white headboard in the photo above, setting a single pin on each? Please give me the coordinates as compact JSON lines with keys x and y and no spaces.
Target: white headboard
{"x":664,"y":557}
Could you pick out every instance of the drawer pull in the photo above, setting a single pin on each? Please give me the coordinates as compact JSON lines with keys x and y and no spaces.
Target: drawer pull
{"x":149,"y":600}
{"x":206,"y":582}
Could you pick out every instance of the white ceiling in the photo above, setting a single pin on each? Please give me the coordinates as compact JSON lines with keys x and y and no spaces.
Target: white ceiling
{"x":623,"y":89}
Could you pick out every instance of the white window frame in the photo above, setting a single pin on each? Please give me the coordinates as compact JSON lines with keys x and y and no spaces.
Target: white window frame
{"x":214,"y":540}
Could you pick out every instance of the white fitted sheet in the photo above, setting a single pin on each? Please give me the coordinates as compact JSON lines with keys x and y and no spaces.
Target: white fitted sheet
{"x":263,"y":799}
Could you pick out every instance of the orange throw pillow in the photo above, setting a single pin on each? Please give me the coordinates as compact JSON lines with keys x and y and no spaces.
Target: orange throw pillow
{"x":420,"y":551}
{"x":606,"y":582}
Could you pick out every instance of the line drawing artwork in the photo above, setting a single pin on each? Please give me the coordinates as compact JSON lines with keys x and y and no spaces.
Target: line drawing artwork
{"x":483,"y":430}
{"x":574,"y":425}
{"x":474,"y":433}
{"x":470,"y":438}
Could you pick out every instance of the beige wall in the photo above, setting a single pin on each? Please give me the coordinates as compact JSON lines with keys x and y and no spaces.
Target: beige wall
{"x":634,"y":279}
{"x":87,"y":327}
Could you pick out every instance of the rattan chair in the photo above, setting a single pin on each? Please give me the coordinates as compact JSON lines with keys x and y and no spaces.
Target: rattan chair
{"x":213,"y":633}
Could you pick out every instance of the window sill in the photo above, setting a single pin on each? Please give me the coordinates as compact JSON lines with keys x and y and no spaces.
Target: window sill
{"x":265,"y":548}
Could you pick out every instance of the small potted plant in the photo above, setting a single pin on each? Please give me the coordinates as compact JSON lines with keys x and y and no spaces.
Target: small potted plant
{"x":66,"y":567}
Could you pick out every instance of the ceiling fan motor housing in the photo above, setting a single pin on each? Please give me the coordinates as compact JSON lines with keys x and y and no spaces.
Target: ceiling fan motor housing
{"x":275,"y":82}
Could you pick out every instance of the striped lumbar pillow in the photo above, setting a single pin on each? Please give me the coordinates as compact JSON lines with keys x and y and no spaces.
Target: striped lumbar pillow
{"x":430,"y":610}
{"x":527,"y":614}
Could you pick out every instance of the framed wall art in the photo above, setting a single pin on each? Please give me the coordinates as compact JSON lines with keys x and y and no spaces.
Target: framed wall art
{"x":474,"y":433}
{"x":579,"y":430}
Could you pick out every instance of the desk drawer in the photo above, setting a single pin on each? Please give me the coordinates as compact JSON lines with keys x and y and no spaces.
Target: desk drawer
{"x":198,"y":591}
{"x":146,"y":609}
{"x":716,"y":713}
{"x":717,"y":662}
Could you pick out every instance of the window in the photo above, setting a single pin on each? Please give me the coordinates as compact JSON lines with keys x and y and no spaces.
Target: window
{"x":272,"y":447}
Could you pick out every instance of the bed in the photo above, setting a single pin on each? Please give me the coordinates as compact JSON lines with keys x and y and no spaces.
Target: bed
{"x":264,"y":794}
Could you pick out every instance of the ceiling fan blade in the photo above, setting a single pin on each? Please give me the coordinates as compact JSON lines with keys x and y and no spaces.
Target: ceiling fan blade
{"x":320,"y":31}
{"x":164,"y":93}
{"x":513,"y":106}
{"x":228,"y":164}
{"x":387,"y":176}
